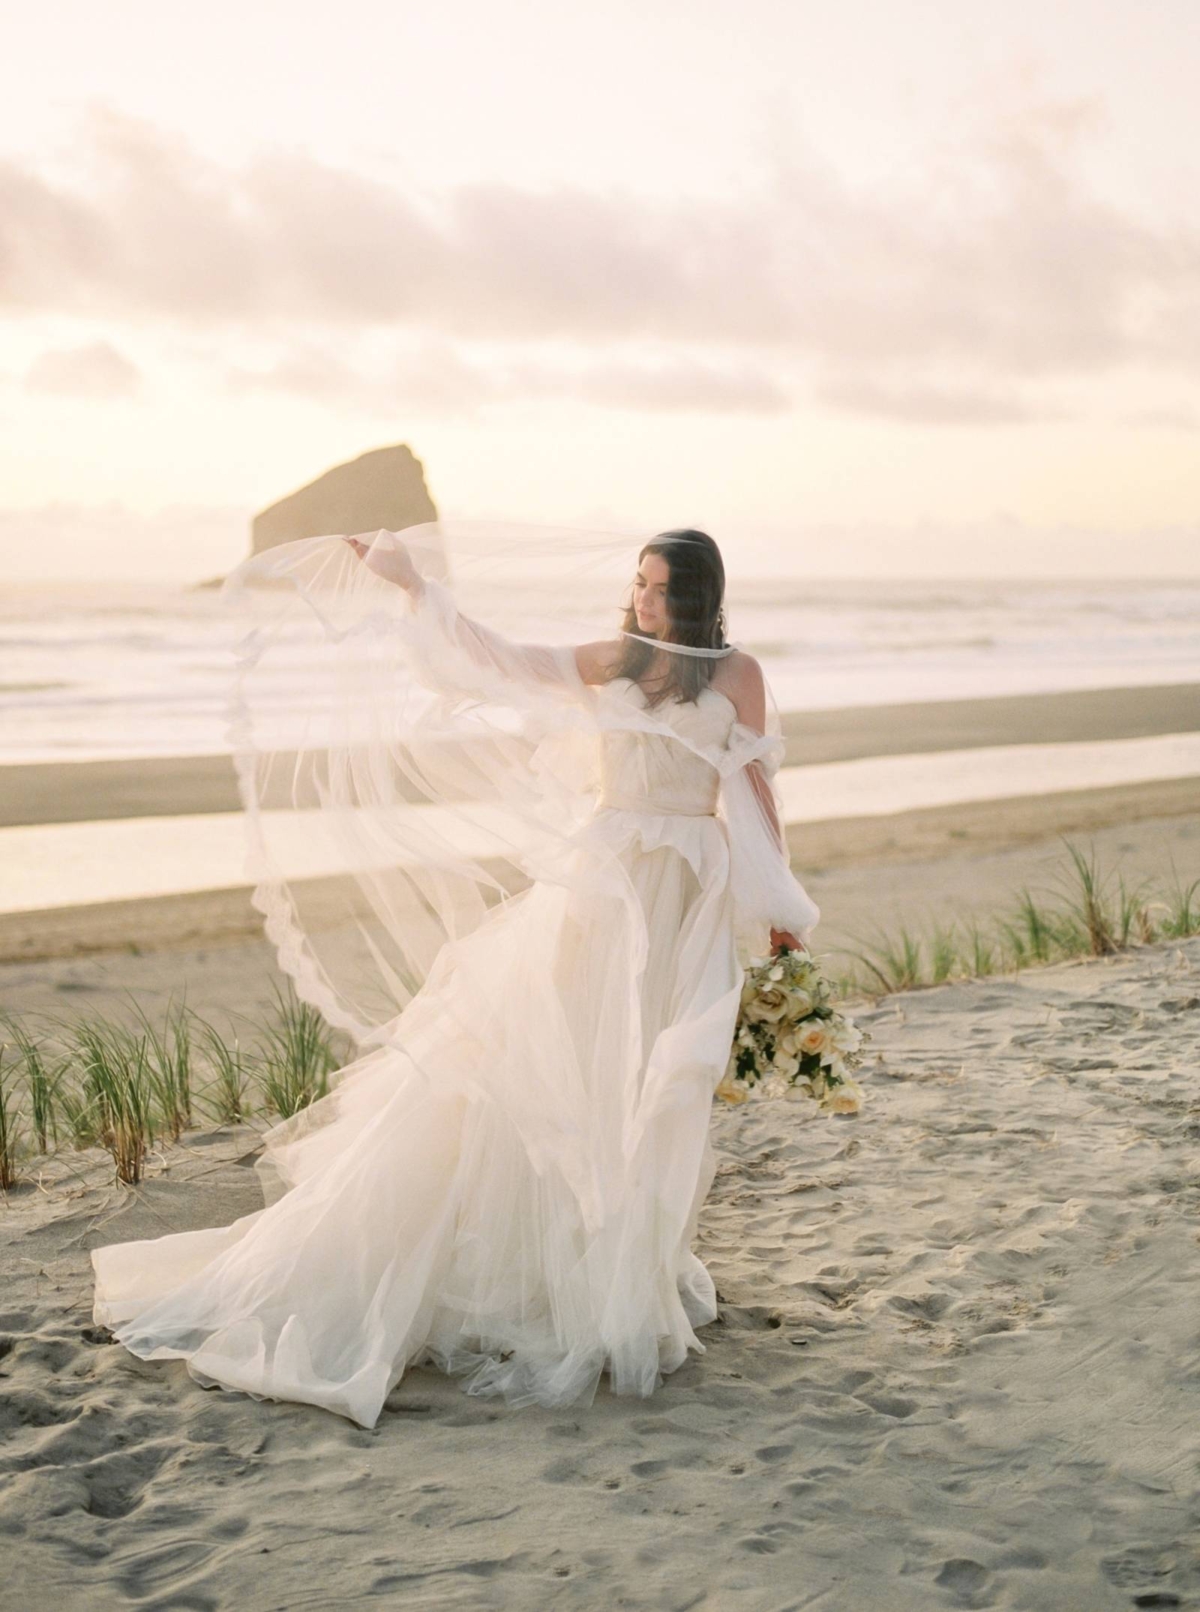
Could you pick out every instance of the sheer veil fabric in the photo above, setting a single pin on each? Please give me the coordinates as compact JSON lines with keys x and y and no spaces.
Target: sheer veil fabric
{"x":529,"y":901}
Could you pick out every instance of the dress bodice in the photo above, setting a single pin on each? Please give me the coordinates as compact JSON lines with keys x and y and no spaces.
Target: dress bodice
{"x":650,"y":772}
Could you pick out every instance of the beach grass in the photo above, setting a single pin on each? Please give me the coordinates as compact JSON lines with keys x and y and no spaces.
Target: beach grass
{"x":169,"y":1053}
{"x":10,"y":1123}
{"x":117,"y":1089}
{"x":42,"y":1081}
{"x":130,"y":1086}
{"x":1088,"y":911}
{"x":227,"y":1096}
{"x":296,"y":1056}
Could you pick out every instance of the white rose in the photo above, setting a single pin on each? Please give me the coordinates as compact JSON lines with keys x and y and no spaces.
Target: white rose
{"x":768,"y":1007}
{"x":814,"y":1040}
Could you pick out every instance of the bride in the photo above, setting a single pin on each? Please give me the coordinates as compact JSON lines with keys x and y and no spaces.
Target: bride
{"x":540,"y":870}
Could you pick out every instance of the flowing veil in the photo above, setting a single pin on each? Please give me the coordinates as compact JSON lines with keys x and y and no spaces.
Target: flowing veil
{"x":405,"y":769}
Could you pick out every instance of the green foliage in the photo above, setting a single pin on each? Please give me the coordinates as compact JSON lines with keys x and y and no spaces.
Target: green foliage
{"x":169,"y":1063}
{"x":41,"y":1080}
{"x":295,"y":1056}
{"x":227,"y":1096}
{"x":1082,"y":917}
{"x":10,"y":1125}
{"x":125,"y":1086}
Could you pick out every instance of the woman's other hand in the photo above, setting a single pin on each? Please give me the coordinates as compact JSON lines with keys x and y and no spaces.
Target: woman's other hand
{"x":783,"y":938}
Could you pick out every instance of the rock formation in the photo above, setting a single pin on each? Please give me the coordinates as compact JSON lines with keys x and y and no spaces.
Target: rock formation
{"x":383,"y":488}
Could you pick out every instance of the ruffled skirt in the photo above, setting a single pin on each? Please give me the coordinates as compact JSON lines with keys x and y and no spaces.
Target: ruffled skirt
{"x":507,"y":1185}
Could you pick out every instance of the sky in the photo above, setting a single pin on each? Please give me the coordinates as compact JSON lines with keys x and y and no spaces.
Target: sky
{"x":907,"y":289}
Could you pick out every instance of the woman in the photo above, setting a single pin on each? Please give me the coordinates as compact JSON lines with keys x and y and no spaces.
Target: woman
{"x":557,"y":860}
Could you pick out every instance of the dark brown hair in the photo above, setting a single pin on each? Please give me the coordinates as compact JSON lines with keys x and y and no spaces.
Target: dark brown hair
{"x":695,"y":616}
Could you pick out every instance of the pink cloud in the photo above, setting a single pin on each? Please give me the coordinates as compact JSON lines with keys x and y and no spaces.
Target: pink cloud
{"x":94,"y":370}
{"x":436,"y":376}
{"x":999,"y":270}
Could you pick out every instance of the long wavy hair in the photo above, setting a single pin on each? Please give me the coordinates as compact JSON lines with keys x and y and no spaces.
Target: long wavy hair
{"x":695,"y":616}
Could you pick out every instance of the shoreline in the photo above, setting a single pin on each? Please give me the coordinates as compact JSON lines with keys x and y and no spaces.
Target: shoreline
{"x":173,"y":786}
{"x":849,"y":857}
{"x":970,"y":856}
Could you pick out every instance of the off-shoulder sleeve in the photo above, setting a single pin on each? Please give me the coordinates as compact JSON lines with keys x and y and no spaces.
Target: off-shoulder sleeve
{"x":766,"y":893}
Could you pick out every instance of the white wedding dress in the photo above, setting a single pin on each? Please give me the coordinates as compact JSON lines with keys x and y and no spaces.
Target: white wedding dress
{"x":506,"y":1183}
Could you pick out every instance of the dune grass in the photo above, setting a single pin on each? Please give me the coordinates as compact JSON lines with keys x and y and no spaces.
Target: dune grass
{"x":296,"y":1057}
{"x":10,"y":1124}
{"x":117,"y":1092}
{"x":128,"y":1086}
{"x":1087,"y":912}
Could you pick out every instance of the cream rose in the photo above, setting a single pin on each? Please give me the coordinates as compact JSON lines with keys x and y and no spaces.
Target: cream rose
{"x":768,"y":1006}
{"x":815,"y":1041}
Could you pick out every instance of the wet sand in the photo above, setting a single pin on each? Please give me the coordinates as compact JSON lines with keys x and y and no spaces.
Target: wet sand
{"x":173,"y":785}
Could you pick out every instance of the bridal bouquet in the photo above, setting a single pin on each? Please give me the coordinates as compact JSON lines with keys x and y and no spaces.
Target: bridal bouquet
{"x":790,"y":1040}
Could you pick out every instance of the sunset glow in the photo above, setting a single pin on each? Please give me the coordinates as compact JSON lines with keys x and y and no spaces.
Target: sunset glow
{"x":907,"y":290}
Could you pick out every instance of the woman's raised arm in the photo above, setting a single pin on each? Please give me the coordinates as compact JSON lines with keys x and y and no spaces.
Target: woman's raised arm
{"x":475,"y":659}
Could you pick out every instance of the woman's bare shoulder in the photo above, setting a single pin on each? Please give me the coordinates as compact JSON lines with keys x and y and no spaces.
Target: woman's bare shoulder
{"x":740,"y":678}
{"x":737,"y":673}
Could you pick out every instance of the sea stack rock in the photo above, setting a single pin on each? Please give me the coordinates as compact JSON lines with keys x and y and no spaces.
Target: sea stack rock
{"x":384,"y":488}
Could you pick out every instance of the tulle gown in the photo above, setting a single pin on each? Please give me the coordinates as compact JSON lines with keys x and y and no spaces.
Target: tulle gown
{"x":506,"y":1183}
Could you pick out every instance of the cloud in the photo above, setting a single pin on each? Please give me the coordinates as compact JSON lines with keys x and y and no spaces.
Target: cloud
{"x":680,"y":384}
{"x":995,"y":271}
{"x":436,"y":376}
{"x":77,"y":542}
{"x":96,"y":370}
{"x":928,"y":405}
{"x":1170,"y":418}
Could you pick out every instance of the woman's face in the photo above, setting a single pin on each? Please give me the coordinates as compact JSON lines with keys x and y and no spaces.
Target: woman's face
{"x":650,"y":594}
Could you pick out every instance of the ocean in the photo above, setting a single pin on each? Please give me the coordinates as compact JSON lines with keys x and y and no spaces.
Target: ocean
{"x":105,"y":672}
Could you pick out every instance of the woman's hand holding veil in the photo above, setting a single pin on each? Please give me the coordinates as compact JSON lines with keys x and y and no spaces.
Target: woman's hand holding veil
{"x":391,"y":561}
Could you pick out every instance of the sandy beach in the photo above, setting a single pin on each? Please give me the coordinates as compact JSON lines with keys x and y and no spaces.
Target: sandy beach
{"x":956,"y":1361}
{"x":956,"y":1364}
{"x":461,"y":549}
